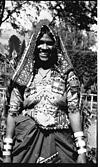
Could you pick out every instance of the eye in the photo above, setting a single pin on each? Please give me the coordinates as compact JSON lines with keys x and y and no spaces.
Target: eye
{"x":41,"y":42}
{"x":50,"y":43}
{"x":46,"y":42}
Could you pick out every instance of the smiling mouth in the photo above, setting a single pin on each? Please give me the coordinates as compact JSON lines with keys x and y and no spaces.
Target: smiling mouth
{"x":44,"y":54}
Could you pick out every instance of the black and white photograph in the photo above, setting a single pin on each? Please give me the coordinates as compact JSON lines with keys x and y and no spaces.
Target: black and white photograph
{"x":48,"y":82}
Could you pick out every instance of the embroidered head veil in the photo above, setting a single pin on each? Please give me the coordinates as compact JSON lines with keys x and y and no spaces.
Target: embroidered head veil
{"x":24,"y":70}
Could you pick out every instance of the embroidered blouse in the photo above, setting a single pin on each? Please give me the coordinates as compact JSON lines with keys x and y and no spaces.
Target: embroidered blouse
{"x":48,"y":99}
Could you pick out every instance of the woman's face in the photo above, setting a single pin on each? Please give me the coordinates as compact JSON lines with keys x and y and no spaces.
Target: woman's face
{"x":45,"y":47}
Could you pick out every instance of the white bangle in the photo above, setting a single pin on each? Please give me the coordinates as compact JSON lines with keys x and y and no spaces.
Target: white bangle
{"x":78,"y":134}
{"x":6,"y":152}
{"x":80,"y":143}
{"x":7,"y":146}
{"x":81,"y":150}
{"x":8,"y":140}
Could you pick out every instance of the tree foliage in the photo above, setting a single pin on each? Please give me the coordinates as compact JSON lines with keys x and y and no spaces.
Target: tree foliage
{"x":2,"y":7}
{"x":75,"y":39}
{"x":13,"y":13}
{"x":81,"y":14}
{"x":77,"y":13}
{"x":85,"y":64}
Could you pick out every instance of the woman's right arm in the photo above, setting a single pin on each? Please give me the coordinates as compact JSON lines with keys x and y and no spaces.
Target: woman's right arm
{"x":9,"y":135}
{"x":15,"y":103}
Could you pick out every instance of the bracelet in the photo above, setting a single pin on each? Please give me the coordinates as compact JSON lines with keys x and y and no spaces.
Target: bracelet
{"x":78,"y":134}
{"x":6,"y":153}
{"x":8,"y":140}
{"x":81,"y":150}
{"x":81,"y":146}
{"x":7,"y":147}
{"x":80,"y":143}
{"x":79,"y":138}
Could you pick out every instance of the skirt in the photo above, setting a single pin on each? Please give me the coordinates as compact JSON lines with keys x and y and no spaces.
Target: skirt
{"x":33,"y":144}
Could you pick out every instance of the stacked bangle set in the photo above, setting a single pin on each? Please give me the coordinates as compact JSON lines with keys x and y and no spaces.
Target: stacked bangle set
{"x":8,"y":142}
{"x":80,"y":142}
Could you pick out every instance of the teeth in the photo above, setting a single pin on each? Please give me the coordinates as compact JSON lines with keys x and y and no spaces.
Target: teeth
{"x":44,"y":54}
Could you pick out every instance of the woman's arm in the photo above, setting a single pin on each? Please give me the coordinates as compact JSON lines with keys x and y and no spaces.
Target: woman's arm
{"x":9,"y":135}
{"x":74,"y":115}
{"x":73,"y":91}
{"x":15,"y":103}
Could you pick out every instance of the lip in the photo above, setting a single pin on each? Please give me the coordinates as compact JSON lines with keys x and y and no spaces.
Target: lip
{"x":44,"y":54}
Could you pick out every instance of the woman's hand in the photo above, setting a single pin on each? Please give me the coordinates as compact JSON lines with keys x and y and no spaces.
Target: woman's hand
{"x":81,"y":158}
{"x":7,"y":159}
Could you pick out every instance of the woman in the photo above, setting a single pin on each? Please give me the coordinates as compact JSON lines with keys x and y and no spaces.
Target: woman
{"x":43,"y":124}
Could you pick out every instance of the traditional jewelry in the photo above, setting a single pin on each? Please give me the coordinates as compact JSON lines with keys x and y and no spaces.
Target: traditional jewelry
{"x":80,"y":142}
{"x":6,"y":153}
{"x":81,"y":150}
{"x":8,"y":140}
{"x":7,"y":146}
{"x":78,"y":134}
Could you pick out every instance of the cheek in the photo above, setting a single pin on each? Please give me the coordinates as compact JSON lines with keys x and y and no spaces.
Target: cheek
{"x":50,"y":47}
{"x":40,"y":46}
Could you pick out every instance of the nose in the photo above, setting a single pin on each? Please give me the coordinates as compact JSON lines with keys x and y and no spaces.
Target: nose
{"x":44,"y":46}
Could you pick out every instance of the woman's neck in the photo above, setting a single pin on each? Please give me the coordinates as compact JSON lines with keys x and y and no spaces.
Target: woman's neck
{"x":45,"y":65}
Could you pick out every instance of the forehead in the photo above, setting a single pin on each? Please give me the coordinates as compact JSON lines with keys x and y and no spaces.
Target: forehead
{"x":45,"y":37}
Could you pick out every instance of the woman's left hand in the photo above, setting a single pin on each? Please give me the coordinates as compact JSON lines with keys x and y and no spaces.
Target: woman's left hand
{"x":81,"y":158}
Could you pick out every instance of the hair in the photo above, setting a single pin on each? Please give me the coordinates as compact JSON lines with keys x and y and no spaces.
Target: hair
{"x":45,"y":30}
{"x":54,"y":57}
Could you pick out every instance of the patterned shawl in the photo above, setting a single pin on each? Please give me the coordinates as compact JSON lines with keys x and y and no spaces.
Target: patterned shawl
{"x":24,"y":70}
